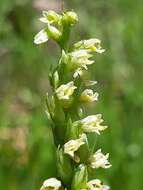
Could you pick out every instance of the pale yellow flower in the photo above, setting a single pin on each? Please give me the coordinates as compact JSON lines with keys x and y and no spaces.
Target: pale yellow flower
{"x":99,"y":160}
{"x":51,"y":184}
{"x":96,"y":184}
{"x":90,"y":45}
{"x":73,"y":145}
{"x":92,"y":124}
{"x":89,"y":96}
{"x":65,"y":91}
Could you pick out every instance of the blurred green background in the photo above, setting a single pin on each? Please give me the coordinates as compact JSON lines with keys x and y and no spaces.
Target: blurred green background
{"x":26,"y":149}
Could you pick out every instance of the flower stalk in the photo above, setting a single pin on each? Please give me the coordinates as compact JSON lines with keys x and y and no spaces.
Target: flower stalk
{"x":71,"y":93}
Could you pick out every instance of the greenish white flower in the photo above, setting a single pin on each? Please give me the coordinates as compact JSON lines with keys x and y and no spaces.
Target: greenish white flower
{"x":96,"y":184}
{"x":90,"y":45}
{"x":89,"y":96}
{"x":92,"y":124}
{"x":73,"y":145}
{"x":50,"y":17}
{"x":71,"y":17}
{"x":77,"y":59}
{"x":41,"y":37}
{"x":51,"y":184}
{"x":65,"y":91}
{"x":99,"y":160}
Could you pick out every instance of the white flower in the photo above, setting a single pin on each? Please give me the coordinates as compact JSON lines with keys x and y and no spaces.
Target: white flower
{"x":96,"y":184}
{"x":41,"y":37}
{"x":73,"y":145}
{"x":98,"y":159}
{"x":92,"y":124}
{"x":65,"y":91}
{"x":51,"y":184}
{"x":90,"y":45}
{"x":88,"y":96}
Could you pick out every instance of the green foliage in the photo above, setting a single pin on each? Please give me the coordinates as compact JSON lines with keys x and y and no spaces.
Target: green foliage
{"x":23,"y":80}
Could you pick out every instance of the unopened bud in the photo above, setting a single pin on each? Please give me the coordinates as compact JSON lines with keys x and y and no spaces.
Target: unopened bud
{"x":80,"y":178}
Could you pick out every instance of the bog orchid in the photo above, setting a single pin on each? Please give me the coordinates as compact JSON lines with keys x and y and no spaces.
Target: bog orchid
{"x":98,"y":160}
{"x":92,"y":124}
{"x":89,"y":96}
{"x":67,"y":105}
{"x":65,"y":91}
{"x":73,"y":145}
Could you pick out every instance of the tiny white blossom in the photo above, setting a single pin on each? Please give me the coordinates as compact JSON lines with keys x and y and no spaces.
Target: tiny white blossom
{"x":41,"y":37}
{"x":65,"y":91}
{"x":96,"y":184}
{"x":73,"y":145}
{"x":98,"y":159}
{"x":51,"y":184}
{"x":92,"y":124}
{"x":88,"y":96}
{"x":90,"y":45}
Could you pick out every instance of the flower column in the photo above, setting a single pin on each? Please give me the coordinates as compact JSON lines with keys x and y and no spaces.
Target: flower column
{"x":66,"y":106}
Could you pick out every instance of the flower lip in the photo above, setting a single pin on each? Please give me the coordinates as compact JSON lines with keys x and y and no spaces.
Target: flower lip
{"x":51,"y":184}
{"x":96,"y":184}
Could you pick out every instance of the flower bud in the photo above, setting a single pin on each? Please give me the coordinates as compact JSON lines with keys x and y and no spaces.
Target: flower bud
{"x":98,"y":159}
{"x":72,"y":131}
{"x":56,"y":79}
{"x":51,"y":184}
{"x":96,"y":184}
{"x":80,"y":178}
{"x":53,"y":32}
{"x":88,"y":96}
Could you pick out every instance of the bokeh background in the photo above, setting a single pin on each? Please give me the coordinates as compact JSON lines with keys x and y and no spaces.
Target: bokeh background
{"x":26,"y":150}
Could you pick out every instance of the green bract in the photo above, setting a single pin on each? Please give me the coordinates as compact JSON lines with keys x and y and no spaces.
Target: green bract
{"x":70,"y":124}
